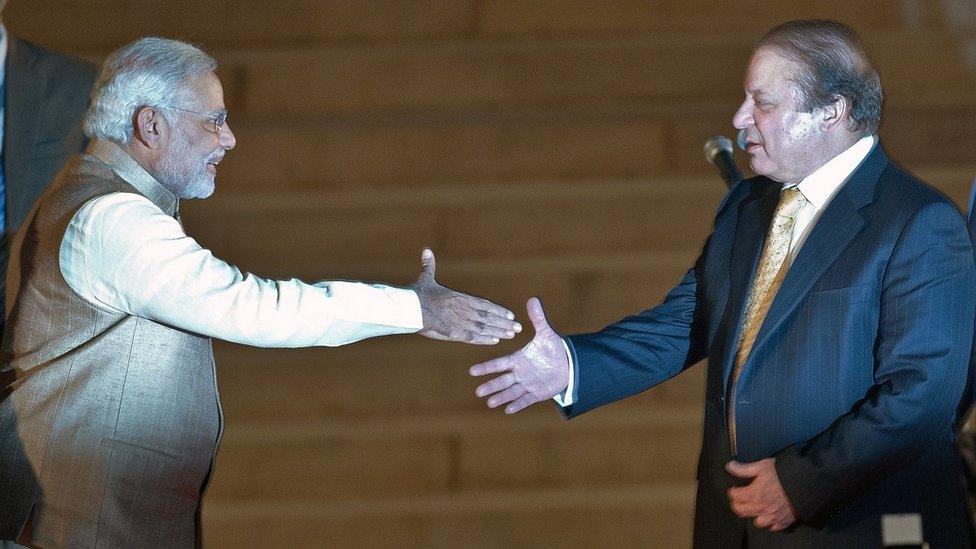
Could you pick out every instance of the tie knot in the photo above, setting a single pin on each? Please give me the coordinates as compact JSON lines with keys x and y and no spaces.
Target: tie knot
{"x":790,"y":202}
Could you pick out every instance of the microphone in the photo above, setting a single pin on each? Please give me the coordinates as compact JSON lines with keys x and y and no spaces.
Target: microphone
{"x":718,"y":151}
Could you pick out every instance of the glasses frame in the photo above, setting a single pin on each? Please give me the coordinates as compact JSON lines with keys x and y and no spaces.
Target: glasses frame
{"x":218,"y":120}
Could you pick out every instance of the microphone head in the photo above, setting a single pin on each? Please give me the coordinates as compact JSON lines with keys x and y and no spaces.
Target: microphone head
{"x":716,"y":145}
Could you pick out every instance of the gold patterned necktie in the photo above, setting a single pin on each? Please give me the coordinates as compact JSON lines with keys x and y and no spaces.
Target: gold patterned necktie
{"x":769,"y":275}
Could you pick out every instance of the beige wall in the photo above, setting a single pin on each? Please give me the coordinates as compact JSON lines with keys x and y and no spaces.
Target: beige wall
{"x":547,"y":148}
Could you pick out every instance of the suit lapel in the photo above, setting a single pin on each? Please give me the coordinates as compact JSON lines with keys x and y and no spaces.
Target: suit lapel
{"x":836,"y":228}
{"x":23,"y":89}
{"x":755,"y":215}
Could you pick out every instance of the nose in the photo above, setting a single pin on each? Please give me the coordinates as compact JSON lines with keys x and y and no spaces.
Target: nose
{"x":742,"y":118}
{"x":227,"y":139}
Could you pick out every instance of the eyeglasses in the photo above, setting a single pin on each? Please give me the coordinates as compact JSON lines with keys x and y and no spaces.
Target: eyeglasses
{"x":217,"y":120}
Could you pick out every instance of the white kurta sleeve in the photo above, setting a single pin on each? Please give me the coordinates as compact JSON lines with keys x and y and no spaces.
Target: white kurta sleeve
{"x":122,"y":253}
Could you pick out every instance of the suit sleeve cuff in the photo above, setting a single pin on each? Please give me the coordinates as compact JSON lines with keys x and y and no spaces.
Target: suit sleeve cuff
{"x":568,"y":397}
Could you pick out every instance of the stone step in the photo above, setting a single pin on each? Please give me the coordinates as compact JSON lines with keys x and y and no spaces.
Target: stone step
{"x":579,"y":16}
{"x":326,"y":234}
{"x":328,"y":80}
{"x":416,"y":150}
{"x":577,"y":142}
{"x":94,"y":24}
{"x":330,"y":459}
{"x":488,"y":224}
{"x":632,"y":516}
{"x":490,"y":74}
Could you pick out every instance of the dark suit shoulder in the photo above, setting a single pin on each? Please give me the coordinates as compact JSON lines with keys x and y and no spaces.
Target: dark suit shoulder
{"x":900,"y":191}
{"x":72,"y":72}
{"x":54,"y":60}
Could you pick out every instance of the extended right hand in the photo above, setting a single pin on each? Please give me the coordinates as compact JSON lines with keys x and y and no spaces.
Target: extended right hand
{"x":452,"y":316}
{"x":536,"y":372}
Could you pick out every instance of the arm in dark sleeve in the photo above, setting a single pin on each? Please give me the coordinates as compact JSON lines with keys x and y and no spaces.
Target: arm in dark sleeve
{"x":639,"y":351}
{"x":643,"y":350}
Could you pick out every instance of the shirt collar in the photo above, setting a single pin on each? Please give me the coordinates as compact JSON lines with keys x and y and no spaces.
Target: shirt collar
{"x":129,"y":170}
{"x":820,"y":186}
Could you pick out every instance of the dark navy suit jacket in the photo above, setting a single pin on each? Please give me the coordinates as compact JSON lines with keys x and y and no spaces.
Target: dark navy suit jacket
{"x":854,"y":377}
{"x":46,"y":95}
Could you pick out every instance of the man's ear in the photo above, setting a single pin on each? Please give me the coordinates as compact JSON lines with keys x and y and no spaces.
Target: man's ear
{"x":148,"y":127}
{"x":835,"y":114}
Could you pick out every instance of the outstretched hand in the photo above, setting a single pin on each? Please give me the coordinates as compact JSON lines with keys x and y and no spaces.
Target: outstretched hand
{"x":536,"y":372}
{"x":453,"y":316}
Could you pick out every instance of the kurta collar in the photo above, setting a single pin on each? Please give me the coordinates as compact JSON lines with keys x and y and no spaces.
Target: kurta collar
{"x":129,"y":170}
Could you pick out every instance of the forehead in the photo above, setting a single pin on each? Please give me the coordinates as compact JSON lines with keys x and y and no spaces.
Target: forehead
{"x":206,"y":91}
{"x":769,"y":72}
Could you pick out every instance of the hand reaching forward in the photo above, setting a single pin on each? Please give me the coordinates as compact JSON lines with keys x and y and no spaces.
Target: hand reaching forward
{"x":453,"y":316}
{"x":762,"y":499}
{"x":536,"y":372}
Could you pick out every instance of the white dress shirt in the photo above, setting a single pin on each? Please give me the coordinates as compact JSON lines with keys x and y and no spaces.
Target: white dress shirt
{"x":819,"y":188}
{"x":124,"y":254}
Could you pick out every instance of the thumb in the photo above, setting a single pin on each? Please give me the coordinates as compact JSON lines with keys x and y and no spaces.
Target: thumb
{"x":537,"y":315}
{"x":742,"y":470}
{"x":427,"y":263}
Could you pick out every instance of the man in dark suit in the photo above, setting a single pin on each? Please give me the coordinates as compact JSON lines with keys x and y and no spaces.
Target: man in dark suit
{"x":45,"y":95}
{"x":834,"y":301}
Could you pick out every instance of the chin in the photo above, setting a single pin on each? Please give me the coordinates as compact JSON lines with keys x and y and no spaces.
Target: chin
{"x":206,"y":193}
{"x":204,"y":190}
{"x":759,"y":168}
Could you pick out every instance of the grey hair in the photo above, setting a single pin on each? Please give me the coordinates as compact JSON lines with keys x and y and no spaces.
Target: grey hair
{"x":152,"y":72}
{"x":833,"y":63}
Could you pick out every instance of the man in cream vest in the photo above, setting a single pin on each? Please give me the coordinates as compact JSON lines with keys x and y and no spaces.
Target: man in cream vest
{"x":109,"y":411}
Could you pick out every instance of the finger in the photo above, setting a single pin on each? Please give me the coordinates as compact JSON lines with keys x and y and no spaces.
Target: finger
{"x":739,"y":510}
{"x":498,"y":316}
{"x":484,"y":306}
{"x":501,"y":364}
{"x":500,"y":383}
{"x":778,"y":526}
{"x":481,"y":328}
{"x":743,"y":510}
{"x":741,"y":494}
{"x":487,"y":323}
{"x":475,"y":338}
{"x":742,"y":470}
{"x":537,"y":315}
{"x":744,"y":507}
{"x":522,"y":403}
{"x":427,"y":262}
{"x":769,"y":522}
{"x":506,"y":396}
